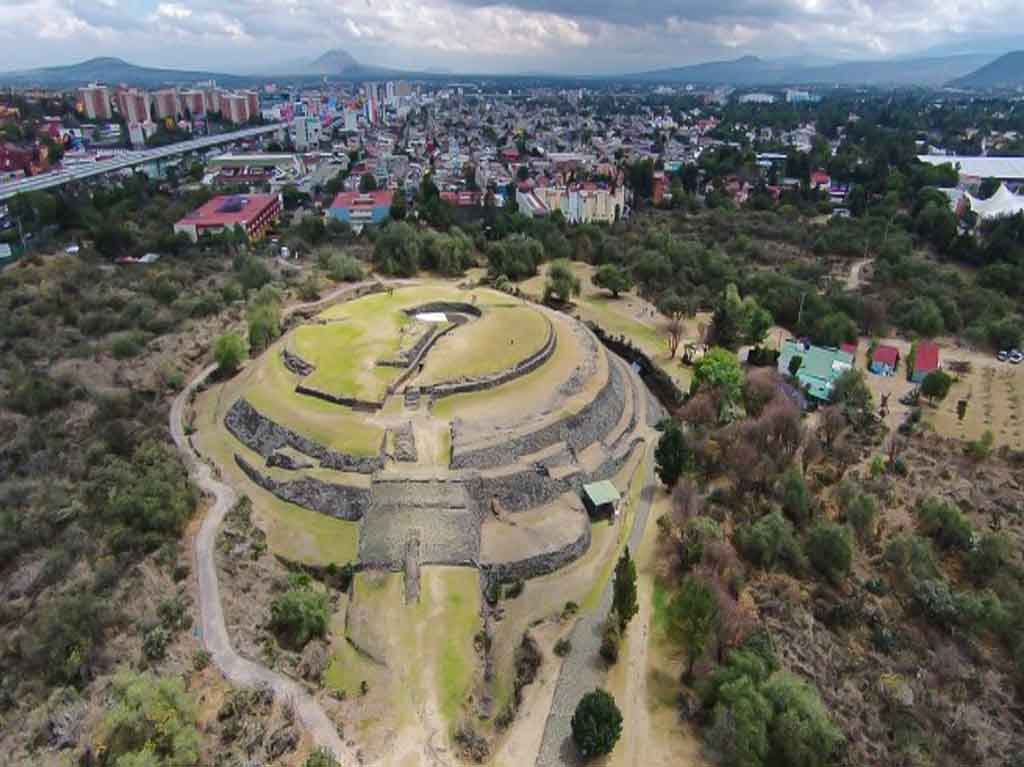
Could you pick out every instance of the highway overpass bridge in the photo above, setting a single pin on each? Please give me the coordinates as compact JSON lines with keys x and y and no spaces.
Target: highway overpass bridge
{"x":129,"y":160}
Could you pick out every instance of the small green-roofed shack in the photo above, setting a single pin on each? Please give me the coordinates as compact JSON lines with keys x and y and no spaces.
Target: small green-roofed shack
{"x":601,"y":499}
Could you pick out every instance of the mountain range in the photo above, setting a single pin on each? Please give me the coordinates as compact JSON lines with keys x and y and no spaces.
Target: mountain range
{"x":751,"y":71}
{"x":1005,"y":72}
{"x":968,"y":70}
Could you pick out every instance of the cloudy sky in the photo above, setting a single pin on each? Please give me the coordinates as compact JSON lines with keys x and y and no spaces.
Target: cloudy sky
{"x":598,"y":36}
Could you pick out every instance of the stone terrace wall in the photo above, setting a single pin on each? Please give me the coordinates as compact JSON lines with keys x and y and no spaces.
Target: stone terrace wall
{"x":540,"y":564}
{"x":308,"y":312}
{"x":584,"y":428}
{"x":296,"y":364}
{"x":339,"y":501}
{"x":260,"y":434}
{"x":352,"y":402}
{"x":445,"y":307}
{"x":659,"y":382}
{"x":521,"y":368}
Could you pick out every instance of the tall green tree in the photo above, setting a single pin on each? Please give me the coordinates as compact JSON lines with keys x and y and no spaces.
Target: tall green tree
{"x":624,"y":596}
{"x":229,"y":351}
{"x":672,"y":454}
{"x":596,"y":724}
{"x":692,"y":618}
{"x":562,"y":283}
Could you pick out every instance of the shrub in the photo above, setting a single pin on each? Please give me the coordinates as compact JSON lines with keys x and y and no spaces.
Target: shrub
{"x":624,"y":599}
{"x":861,"y":513}
{"x":770,"y":541}
{"x":611,"y":638}
{"x":229,"y":351}
{"x":945,"y":524}
{"x":672,"y":455}
{"x":989,"y":557}
{"x":201,"y":659}
{"x":562,"y":283}
{"x":127,"y":345}
{"x":154,"y":643}
{"x":830,"y":550}
{"x":342,"y":267}
{"x":596,"y":724}
{"x":563,"y":647}
{"x":514,"y":589}
{"x":300,"y":614}
{"x":150,"y":716}
{"x":797,"y":501}
{"x":911,"y":557}
{"x":321,"y":757}
{"x":698,"y":533}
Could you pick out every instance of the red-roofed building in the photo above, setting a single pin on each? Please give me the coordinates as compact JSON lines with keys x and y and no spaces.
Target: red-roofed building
{"x":362,"y":208}
{"x":926,"y":360}
{"x":254,"y":213}
{"x":464,"y":199}
{"x":885,"y":360}
{"x":820,"y":180}
{"x":511,"y":154}
{"x":15,"y":159}
{"x":849,"y":348}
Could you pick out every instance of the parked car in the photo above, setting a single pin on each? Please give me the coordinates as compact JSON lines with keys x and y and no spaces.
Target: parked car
{"x":1016,"y":357}
{"x":1003,"y":355}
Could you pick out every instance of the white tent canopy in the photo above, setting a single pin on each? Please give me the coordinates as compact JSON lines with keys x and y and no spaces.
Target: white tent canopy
{"x":1002,"y":203}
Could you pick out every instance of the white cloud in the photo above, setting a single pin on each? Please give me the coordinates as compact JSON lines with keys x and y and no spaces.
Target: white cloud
{"x":482,"y":35}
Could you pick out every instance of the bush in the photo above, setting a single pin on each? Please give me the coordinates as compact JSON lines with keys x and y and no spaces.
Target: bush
{"x":321,"y":757}
{"x":672,"y":455}
{"x":945,"y":524}
{"x":797,"y":501}
{"x":300,"y":614}
{"x":563,"y":647}
{"x":127,"y":345}
{"x":154,"y":643}
{"x":562,"y":283}
{"x":830,"y":550}
{"x":342,"y":267}
{"x":596,"y":724}
{"x":770,"y":541}
{"x":989,"y":557}
{"x":611,"y":638}
{"x":229,"y":351}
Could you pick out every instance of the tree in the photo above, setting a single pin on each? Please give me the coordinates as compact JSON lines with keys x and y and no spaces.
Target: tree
{"x":367,"y":183}
{"x":321,"y":757}
{"x":399,"y":208}
{"x":719,"y":371}
{"x":300,"y":614}
{"x":229,"y":351}
{"x":675,"y":308}
{"x":801,"y":733}
{"x":562,"y":283}
{"x":397,"y":250}
{"x":596,"y":724}
{"x":830,"y":550}
{"x":614,"y":279}
{"x":935,"y":385}
{"x":341,"y":267}
{"x":794,"y":364}
{"x":851,"y":391}
{"x":692,"y":614}
{"x":264,"y":319}
{"x":672,"y":455}
{"x":624,"y":599}
{"x":151,"y":721}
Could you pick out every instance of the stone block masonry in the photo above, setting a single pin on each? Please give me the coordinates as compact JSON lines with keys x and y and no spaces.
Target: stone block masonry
{"x":264,"y":436}
{"x":296,"y":364}
{"x":540,"y":564}
{"x":338,"y":501}
{"x":589,"y":425}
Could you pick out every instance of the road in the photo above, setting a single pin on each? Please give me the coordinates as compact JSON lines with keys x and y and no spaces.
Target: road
{"x":854,"y":281}
{"x":238,"y":670}
{"x":128,"y":160}
{"x":583,"y":669}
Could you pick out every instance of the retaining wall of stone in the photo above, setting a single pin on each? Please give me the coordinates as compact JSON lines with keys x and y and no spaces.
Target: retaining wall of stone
{"x":540,"y":564}
{"x":300,"y":315}
{"x":405,"y":443}
{"x":367,"y":405}
{"x":445,"y":307}
{"x":521,"y":368}
{"x":296,"y":364}
{"x":659,"y":382}
{"x":339,"y":501}
{"x":264,"y":436}
{"x":589,"y":425}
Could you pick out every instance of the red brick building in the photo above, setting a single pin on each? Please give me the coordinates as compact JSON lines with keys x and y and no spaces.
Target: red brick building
{"x":16,"y":159}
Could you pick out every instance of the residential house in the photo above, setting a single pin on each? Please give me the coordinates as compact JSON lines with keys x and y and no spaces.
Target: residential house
{"x":926,"y":360}
{"x":360,"y":209}
{"x":884,"y":360}
{"x":820,"y":366}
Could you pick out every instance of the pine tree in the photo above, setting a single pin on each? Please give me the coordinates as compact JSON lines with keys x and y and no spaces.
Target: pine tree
{"x":624,"y":599}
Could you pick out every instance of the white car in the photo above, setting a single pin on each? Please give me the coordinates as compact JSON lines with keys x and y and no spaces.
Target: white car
{"x":1016,"y":357}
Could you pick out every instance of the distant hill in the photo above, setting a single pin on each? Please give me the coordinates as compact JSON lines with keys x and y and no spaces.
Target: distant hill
{"x":1005,"y":72}
{"x":113,"y":70}
{"x":752,"y":71}
{"x":334,"y":62}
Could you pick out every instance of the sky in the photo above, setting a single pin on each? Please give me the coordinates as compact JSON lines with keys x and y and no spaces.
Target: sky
{"x":526,"y":36}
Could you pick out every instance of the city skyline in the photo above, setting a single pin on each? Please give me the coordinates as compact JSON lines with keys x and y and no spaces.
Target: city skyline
{"x":518,"y":36}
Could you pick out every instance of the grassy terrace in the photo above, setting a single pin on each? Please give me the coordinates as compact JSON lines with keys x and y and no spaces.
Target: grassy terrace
{"x":505,"y":334}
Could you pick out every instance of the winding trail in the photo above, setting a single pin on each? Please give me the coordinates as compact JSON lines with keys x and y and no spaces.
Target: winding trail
{"x":238,"y":670}
{"x":583,"y":669}
{"x":854,"y":281}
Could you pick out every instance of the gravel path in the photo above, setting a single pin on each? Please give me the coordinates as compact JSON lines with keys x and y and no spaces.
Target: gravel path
{"x":583,"y":669}
{"x":238,"y":670}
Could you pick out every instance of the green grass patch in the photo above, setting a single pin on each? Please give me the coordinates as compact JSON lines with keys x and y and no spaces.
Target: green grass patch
{"x":454,"y":650}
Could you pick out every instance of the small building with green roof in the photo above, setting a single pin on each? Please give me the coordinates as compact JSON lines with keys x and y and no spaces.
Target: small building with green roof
{"x":820,"y":366}
{"x":601,"y":499}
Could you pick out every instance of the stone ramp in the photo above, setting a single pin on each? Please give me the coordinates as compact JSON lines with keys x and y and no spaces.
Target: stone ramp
{"x":438,"y":513}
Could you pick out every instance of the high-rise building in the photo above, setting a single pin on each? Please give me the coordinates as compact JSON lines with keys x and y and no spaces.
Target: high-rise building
{"x":402,"y":89}
{"x":166,"y":104}
{"x":305,"y":132}
{"x":194,"y":102}
{"x":234,"y":108}
{"x":133,"y":104}
{"x":252,"y":102}
{"x":96,"y":100}
{"x":211,"y":97}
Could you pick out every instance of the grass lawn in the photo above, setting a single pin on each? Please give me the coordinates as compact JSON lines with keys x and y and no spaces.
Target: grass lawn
{"x":531,"y":388}
{"x":506,"y":334}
